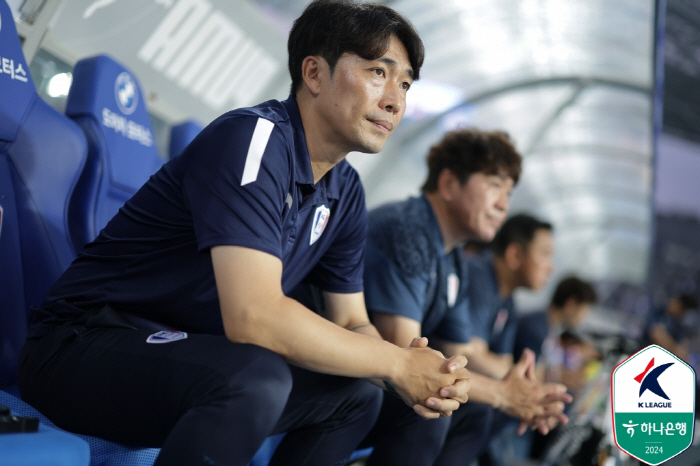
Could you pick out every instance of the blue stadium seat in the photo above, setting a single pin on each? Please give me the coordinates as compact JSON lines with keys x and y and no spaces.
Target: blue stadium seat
{"x":106,"y":101}
{"x":181,"y":135}
{"x":42,"y":154}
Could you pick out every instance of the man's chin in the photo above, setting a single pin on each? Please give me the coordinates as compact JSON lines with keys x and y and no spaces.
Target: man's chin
{"x":370,"y":148}
{"x":486,"y":235}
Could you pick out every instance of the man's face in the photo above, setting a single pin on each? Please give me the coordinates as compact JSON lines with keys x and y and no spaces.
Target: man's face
{"x":363,"y":100}
{"x":536,"y":267}
{"x":575,"y":313}
{"x":481,"y":205}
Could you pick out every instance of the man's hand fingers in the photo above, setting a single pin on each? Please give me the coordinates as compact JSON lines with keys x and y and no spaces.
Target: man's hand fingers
{"x":557,"y":397}
{"x":458,"y":391}
{"x":554,"y":389}
{"x":421,"y":342}
{"x":442,"y":405}
{"x":455,"y":363}
{"x":425,"y":413}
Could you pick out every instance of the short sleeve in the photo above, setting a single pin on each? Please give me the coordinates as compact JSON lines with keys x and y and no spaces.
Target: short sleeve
{"x":389,"y":290}
{"x":481,"y":308}
{"x":531,"y":332}
{"x":505,"y":341}
{"x":236,"y":182}
{"x":456,"y":325}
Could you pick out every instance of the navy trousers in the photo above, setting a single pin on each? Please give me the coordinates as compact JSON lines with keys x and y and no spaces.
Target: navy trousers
{"x":401,"y":437}
{"x":468,"y":435}
{"x":202,"y":399}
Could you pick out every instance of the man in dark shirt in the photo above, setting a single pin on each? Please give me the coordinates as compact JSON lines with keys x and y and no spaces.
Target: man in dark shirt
{"x":174,"y":329}
{"x":520,"y":255}
{"x":665,"y":326}
{"x":416,"y":285}
{"x":568,"y":307}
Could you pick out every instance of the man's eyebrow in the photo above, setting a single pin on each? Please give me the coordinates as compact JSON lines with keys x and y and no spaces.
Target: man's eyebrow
{"x":392,"y":62}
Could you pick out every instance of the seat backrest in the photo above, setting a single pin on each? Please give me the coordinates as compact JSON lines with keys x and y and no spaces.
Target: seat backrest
{"x":106,"y":101}
{"x":41,"y":156}
{"x":181,"y":135}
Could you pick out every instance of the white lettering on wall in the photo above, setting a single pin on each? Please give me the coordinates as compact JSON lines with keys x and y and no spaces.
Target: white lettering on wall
{"x":204,"y":52}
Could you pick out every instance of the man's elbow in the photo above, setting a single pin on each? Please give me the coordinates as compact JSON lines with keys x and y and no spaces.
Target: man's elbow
{"x":244,"y":324}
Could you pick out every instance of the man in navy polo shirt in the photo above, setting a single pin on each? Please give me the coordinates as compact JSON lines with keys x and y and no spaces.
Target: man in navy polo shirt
{"x":520,"y":255}
{"x":416,"y":286}
{"x":173,"y":328}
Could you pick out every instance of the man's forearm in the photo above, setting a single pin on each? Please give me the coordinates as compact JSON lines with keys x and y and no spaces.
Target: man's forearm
{"x":490,"y":364}
{"x":486,"y":390}
{"x":310,"y":341}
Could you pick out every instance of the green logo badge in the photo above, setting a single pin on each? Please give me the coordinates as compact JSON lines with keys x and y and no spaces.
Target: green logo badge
{"x":653,"y":405}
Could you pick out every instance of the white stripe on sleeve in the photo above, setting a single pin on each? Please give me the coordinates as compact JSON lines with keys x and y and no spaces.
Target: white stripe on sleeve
{"x":258,"y":143}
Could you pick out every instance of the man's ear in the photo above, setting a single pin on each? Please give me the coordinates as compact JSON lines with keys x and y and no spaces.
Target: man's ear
{"x":513,"y":255}
{"x":447,"y":184}
{"x":312,"y":72}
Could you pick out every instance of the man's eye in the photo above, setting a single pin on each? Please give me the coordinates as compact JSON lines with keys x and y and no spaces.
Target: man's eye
{"x":378,"y":71}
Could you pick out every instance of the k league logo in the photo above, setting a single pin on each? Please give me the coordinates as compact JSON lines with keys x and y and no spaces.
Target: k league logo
{"x":126,"y":93}
{"x":651,"y":382}
{"x":653,"y":405}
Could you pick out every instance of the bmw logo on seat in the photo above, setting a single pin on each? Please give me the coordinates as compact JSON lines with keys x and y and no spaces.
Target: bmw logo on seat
{"x":126,"y":93}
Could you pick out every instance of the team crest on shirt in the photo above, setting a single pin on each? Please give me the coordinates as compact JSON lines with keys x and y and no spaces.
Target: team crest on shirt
{"x":500,"y":322}
{"x":166,"y":336}
{"x":452,"y":289}
{"x":320,"y":221}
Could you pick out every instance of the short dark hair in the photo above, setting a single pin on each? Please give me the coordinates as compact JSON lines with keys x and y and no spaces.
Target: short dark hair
{"x":466,"y":151}
{"x":573,"y":287}
{"x":519,"y":228}
{"x":330,"y":28}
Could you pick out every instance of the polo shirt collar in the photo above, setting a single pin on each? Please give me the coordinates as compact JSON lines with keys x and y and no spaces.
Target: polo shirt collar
{"x":328,"y":187}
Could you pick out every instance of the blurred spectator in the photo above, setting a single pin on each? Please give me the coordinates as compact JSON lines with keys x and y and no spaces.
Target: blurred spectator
{"x":553,"y":332}
{"x":668,"y":326}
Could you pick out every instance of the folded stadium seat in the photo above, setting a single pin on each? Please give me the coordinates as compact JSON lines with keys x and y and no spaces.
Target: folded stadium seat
{"x":181,"y":135}
{"x":106,"y":101}
{"x":42,"y":154}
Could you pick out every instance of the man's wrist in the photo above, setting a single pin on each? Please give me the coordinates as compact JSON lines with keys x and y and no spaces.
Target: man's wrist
{"x":391,"y":390}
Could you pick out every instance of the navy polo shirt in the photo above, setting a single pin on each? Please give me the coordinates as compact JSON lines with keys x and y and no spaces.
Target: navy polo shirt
{"x":407,"y":272}
{"x":493,"y":318}
{"x":532,"y":330}
{"x":245,"y":180}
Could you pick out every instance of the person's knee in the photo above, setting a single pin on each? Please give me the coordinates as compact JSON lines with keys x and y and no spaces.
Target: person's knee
{"x":267,"y":379}
{"x":367,"y":399}
{"x":261,"y":388}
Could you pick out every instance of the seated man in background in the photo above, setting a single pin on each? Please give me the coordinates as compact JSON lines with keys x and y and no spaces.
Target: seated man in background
{"x":416,"y":286}
{"x":666,"y":328}
{"x":520,"y":255}
{"x":173,"y":328}
{"x":552,"y":334}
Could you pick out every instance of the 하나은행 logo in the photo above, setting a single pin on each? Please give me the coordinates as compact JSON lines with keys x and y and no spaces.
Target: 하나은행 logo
{"x":653,"y":405}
